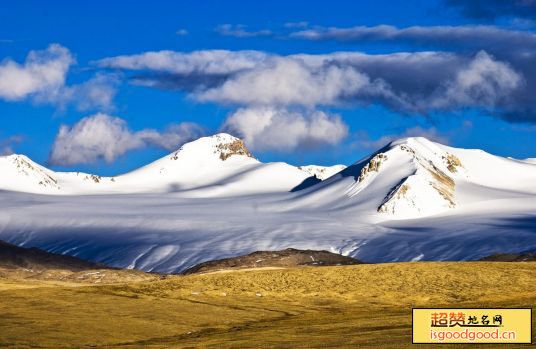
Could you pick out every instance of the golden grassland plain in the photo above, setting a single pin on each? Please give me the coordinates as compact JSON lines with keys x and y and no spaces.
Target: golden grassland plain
{"x":365,"y":305}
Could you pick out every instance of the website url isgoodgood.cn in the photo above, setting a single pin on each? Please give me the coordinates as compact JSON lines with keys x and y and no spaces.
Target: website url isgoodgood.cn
{"x":471,"y":335}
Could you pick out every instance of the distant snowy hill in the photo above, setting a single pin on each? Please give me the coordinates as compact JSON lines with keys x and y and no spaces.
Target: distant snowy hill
{"x":411,"y":200}
{"x":530,"y":160}
{"x":215,"y":165}
{"x":322,"y":172}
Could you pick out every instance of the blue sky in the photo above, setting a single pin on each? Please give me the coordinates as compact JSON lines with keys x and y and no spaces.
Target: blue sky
{"x":494,"y":113}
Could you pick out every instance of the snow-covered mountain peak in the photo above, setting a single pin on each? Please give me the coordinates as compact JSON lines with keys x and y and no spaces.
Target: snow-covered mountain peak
{"x":20,"y":172}
{"x":408,"y":178}
{"x":222,"y":145}
{"x":429,"y":186}
{"x":430,"y":155}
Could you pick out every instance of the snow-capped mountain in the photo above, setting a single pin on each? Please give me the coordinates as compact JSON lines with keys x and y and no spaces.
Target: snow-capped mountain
{"x":322,"y":172}
{"x":411,"y":200}
{"x":414,"y":178}
{"x":530,"y":160}
{"x":210,"y":166}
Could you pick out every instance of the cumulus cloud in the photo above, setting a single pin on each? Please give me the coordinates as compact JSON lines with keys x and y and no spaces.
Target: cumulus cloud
{"x":408,"y":82}
{"x":240,"y":31}
{"x":6,"y":145}
{"x":42,"y":72}
{"x":289,"y":82}
{"x":41,"y":78}
{"x":96,"y":93}
{"x":280,"y":129}
{"x":483,"y":82}
{"x":102,"y":136}
{"x":516,"y":48}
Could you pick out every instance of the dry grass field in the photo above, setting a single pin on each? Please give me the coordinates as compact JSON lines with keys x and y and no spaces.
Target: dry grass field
{"x":344,"y":306}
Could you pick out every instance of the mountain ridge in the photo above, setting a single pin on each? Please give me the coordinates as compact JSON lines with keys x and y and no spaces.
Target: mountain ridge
{"x":203,"y":163}
{"x":411,"y":200}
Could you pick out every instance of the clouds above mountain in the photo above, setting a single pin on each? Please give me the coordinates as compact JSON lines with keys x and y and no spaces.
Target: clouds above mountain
{"x":290,"y":81}
{"x":43,"y":71}
{"x":515,"y":48}
{"x":420,"y":82}
{"x":280,"y":129}
{"x":106,"y":137}
{"x":475,"y":36}
{"x":215,"y":62}
{"x":42,"y":79}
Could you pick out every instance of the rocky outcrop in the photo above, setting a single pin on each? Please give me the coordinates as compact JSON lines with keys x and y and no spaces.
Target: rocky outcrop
{"x":452,"y":163}
{"x":25,"y":167}
{"x":236,"y":147}
{"x":287,"y":258}
{"x":511,"y":257}
{"x":428,"y":190}
{"x":373,"y":165}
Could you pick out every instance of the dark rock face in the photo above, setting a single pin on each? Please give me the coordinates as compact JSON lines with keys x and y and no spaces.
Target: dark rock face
{"x":511,"y":257}
{"x":289,"y":257}
{"x":13,"y":257}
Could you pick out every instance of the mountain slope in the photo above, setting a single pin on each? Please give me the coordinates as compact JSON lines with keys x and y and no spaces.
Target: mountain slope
{"x":14,"y":257}
{"x":411,"y":200}
{"x":287,"y":258}
{"x":322,"y":172}
{"x":414,"y":177}
{"x":209,"y":166}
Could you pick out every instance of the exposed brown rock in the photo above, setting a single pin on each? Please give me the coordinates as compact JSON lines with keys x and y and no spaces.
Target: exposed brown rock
{"x":452,"y":163}
{"x":511,"y":257}
{"x":234,"y":148}
{"x":289,"y":257}
{"x":444,"y":184}
{"x":94,"y":178}
{"x":12,"y":256}
{"x":373,"y":166}
{"x":23,"y":165}
{"x":35,"y":264}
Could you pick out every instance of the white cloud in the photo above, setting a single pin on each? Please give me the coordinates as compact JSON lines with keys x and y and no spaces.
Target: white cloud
{"x":240,"y":31}
{"x":466,"y":35}
{"x":207,"y":62}
{"x":283,"y":81}
{"x":419,"y":82}
{"x":267,"y":128}
{"x":43,"y":72}
{"x":96,"y":93}
{"x":101,"y":136}
{"x":41,"y":78}
{"x":182,"y":32}
{"x":483,"y":82}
